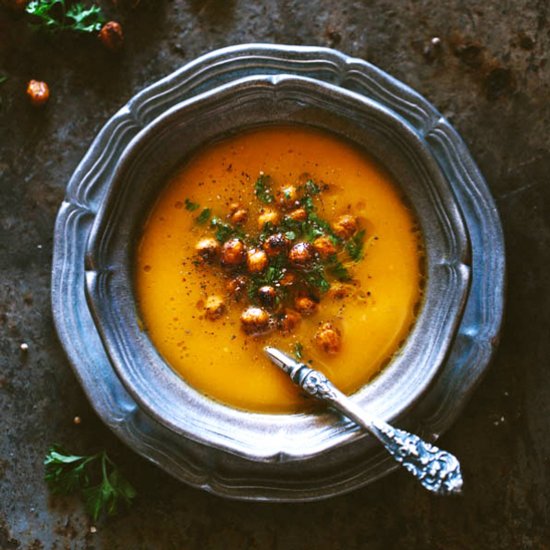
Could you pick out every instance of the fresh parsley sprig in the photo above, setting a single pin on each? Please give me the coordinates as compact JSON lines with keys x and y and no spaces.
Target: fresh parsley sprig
{"x":67,"y":474}
{"x":55,"y":15}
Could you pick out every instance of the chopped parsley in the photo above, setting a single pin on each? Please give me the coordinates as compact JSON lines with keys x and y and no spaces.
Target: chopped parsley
{"x":337,"y":269}
{"x":354,"y":247}
{"x":224,"y":231}
{"x":262,"y":189}
{"x":191,"y":206}
{"x":315,"y":277}
{"x":312,"y":188}
{"x":204,"y":216}
{"x":298,"y":351}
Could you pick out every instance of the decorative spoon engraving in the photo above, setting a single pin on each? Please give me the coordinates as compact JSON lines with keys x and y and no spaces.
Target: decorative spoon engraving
{"x":437,"y":470}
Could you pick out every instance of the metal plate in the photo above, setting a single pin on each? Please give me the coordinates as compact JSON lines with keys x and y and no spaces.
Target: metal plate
{"x":225,"y":473}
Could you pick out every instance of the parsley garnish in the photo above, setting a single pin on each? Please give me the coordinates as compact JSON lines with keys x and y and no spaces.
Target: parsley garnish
{"x":224,"y":231}
{"x":337,"y":269}
{"x":312,"y":188}
{"x":191,"y":206}
{"x":315,"y":277}
{"x":307,"y":203}
{"x":298,"y":349}
{"x":67,"y":473}
{"x":204,"y":216}
{"x":262,"y":189}
{"x":354,"y":247}
{"x":53,"y":15}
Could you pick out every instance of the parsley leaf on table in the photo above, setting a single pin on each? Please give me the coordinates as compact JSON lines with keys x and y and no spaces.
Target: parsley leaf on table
{"x":54,"y":15}
{"x":67,"y":473}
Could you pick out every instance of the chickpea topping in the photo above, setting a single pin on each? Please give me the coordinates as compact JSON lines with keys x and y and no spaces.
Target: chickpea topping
{"x":287,"y":196}
{"x":255,"y":320}
{"x":299,"y":215}
{"x":289,"y":321}
{"x":328,"y":338}
{"x":236,"y":286}
{"x":276,"y":244}
{"x":324,"y":246}
{"x":268,"y":216}
{"x":214,"y":307}
{"x":339,"y":291}
{"x":345,"y":226}
{"x":38,"y":93}
{"x":305,"y":305}
{"x":256,"y":260}
{"x":300,"y":254}
{"x":208,"y":249}
{"x":267,"y":296}
{"x":279,"y":275}
{"x":233,"y":253}
{"x":237,"y":214}
{"x":111,"y":36}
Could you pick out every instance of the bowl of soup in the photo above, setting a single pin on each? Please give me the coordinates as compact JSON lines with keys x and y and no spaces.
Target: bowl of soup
{"x":286,"y":211}
{"x":284,"y":195}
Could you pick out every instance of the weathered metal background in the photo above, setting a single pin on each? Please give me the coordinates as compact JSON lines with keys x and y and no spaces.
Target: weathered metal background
{"x":490,"y":76}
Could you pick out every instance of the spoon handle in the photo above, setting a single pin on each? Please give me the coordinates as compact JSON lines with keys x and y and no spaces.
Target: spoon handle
{"x":437,"y":470}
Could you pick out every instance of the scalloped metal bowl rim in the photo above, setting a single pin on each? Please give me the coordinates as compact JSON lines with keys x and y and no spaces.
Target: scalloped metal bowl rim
{"x":152,"y":405}
{"x":477,"y":334}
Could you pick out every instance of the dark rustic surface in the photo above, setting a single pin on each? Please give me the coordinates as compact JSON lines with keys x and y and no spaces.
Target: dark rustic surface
{"x":490,"y":77}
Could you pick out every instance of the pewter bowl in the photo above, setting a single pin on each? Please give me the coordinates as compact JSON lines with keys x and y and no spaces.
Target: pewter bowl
{"x":257,"y":456}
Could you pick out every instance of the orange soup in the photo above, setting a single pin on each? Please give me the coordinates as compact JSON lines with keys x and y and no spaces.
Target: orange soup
{"x":281,"y":236}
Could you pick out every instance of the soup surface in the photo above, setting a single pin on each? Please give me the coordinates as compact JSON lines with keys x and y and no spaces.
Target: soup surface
{"x":349,"y":309}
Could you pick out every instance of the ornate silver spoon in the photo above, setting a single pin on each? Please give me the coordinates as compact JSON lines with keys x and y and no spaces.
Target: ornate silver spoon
{"x":437,"y":470}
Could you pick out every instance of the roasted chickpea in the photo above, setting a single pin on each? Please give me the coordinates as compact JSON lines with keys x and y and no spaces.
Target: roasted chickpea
{"x":233,"y":253}
{"x":288,"y":279}
{"x":287,"y":196}
{"x":328,"y":338}
{"x":298,"y":214}
{"x":38,"y":93}
{"x":276,"y":244}
{"x":345,"y":226}
{"x":235,"y":287}
{"x":300,"y":254}
{"x":256,"y":260}
{"x":339,"y":291}
{"x":267,"y":296}
{"x":324,"y":246}
{"x":237,"y":214}
{"x":214,"y":307}
{"x":111,"y":36}
{"x":255,"y":320}
{"x":289,"y":321}
{"x":208,"y":249}
{"x":268,"y":216}
{"x":305,"y":305}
